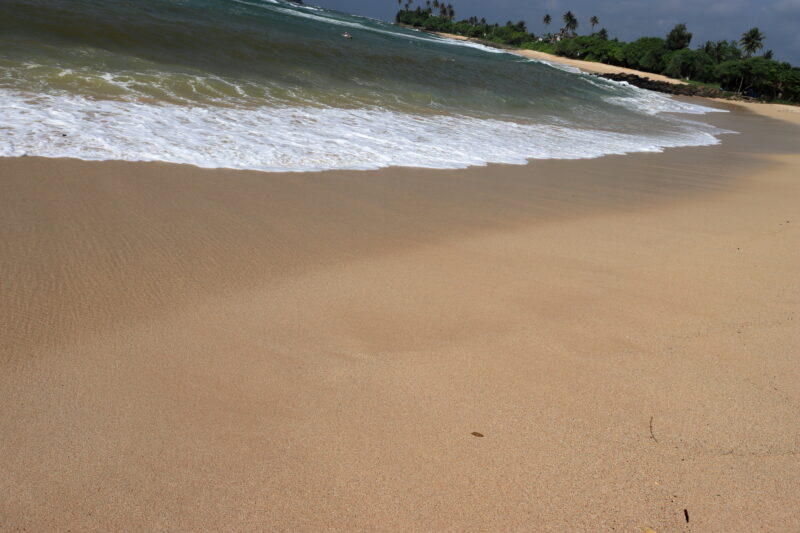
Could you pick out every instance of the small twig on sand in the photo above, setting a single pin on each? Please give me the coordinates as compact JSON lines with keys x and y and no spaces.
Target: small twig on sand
{"x":652,"y":435}
{"x":686,"y":515}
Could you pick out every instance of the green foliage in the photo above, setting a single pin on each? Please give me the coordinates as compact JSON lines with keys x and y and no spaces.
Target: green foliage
{"x":592,"y":48}
{"x":679,"y":63}
{"x":721,"y":51}
{"x":710,"y":85}
{"x":703,"y":67}
{"x":679,"y":37}
{"x":689,"y":64}
{"x":790,"y":85}
{"x":761,"y":77}
{"x":646,"y":53}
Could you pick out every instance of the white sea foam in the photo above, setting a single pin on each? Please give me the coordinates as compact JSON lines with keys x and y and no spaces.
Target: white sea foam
{"x":555,"y":65}
{"x":298,"y":138}
{"x":653,"y":103}
{"x":470,"y":44}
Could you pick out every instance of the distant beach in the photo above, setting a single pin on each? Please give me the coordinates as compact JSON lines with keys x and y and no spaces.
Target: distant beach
{"x":590,"y":67}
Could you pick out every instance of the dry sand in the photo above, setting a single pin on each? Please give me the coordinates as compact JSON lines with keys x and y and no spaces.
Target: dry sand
{"x":787,"y":113}
{"x":194,"y":350}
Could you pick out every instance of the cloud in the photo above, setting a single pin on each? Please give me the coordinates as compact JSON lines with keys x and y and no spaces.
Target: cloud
{"x":728,"y":7}
{"x":788,"y":7}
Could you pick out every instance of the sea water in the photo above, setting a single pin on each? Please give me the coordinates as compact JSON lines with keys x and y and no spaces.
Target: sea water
{"x":272,"y":85}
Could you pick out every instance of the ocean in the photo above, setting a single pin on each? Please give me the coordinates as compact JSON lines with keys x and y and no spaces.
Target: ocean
{"x":273,"y":86}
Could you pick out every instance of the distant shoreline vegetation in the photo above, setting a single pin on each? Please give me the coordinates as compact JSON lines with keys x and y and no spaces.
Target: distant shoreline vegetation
{"x":730,"y":65}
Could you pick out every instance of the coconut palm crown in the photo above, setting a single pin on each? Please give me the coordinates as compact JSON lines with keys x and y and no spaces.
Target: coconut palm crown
{"x":752,"y":40}
{"x":570,"y":22}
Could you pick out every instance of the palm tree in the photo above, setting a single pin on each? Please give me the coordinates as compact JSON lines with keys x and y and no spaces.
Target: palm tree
{"x":547,"y":20}
{"x":594,"y":21}
{"x":752,"y":40}
{"x":570,"y":22}
{"x":451,"y":12}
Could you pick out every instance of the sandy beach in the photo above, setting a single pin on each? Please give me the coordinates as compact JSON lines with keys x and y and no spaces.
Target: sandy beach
{"x":591,"y":67}
{"x":588,"y":345}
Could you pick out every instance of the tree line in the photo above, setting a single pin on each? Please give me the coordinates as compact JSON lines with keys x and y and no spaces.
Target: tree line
{"x":732,"y":65}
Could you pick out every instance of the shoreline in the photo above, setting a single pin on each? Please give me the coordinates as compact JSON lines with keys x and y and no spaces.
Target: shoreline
{"x":638,"y":78}
{"x":781,"y":112}
{"x":589,"y":67}
{"x":195,"y":349}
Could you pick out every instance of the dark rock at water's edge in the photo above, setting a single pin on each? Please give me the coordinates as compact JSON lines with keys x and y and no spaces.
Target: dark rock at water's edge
{"x":671,"y":88}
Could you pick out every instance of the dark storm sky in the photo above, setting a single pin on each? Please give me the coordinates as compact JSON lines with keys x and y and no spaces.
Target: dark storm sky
{"x":629,"y":19}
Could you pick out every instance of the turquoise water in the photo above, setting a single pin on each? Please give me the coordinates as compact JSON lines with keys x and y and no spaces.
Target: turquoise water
{"x":273,"y":85}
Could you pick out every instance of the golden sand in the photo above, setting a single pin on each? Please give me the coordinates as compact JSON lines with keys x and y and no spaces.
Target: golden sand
{"x":196,"y":350}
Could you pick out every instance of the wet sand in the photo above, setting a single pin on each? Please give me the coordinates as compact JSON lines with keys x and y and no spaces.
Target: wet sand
{"x":185,"y":349}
